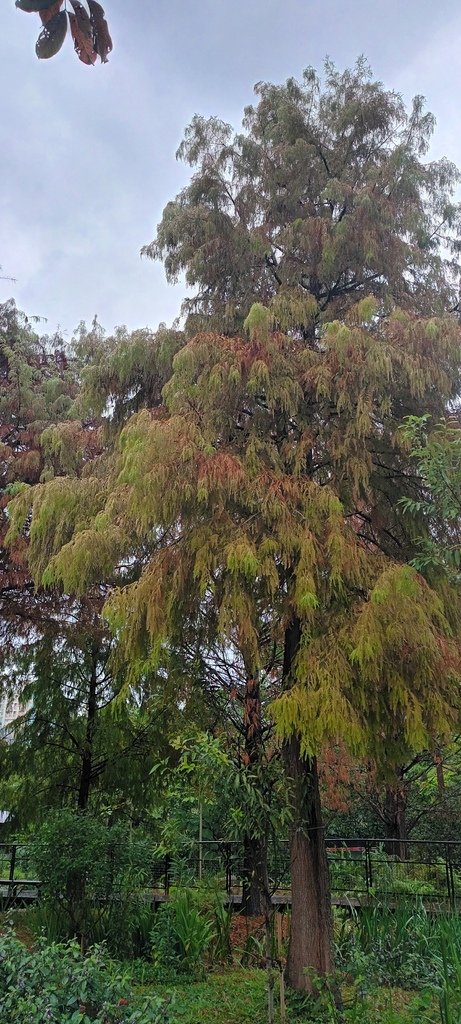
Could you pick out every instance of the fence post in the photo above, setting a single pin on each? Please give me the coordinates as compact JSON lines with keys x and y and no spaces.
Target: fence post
{"x":368,"y":869}
{"x":167,"y":874}
{"x":12,"y":863}
{"x":450,"y":879}
{"x":227,"y":857}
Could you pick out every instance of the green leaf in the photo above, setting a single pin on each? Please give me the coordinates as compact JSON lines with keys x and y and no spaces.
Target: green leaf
{"x":52,"y":36}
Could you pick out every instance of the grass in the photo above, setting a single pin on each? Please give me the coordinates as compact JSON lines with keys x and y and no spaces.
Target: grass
{"x":397,"y":965}
{"x":239,"y":997}
{"x":234,"y":997}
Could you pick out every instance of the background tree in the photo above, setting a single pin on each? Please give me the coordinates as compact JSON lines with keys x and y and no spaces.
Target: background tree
{"x":78,"y":744}
{"x":39,"y":384}
{"x":71,"y":745}
{"x":435,"y":447}
{"x":254,"y":809}
{"x":417,"y":800}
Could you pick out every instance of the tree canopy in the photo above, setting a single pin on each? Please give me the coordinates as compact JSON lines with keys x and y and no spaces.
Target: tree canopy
{"x":324,"y":196}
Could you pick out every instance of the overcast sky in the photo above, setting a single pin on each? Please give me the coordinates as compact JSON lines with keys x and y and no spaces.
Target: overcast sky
{"x":87,"y":154}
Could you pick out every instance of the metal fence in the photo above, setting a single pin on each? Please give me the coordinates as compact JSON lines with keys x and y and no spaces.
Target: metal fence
{"x":361,"y":871}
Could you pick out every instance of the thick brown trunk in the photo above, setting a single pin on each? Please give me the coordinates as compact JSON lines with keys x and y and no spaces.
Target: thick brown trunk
{"x":395,"y":822}
{"x":310,"y":946}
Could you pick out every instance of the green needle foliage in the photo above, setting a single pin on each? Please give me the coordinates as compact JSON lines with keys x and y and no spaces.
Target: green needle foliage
{"x":436,"y":449}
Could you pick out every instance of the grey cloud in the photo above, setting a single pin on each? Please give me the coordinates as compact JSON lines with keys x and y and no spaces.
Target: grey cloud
{"x":87,"y":159}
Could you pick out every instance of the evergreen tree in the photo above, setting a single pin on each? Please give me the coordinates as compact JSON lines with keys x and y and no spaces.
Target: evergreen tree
{"x":80,"y":742}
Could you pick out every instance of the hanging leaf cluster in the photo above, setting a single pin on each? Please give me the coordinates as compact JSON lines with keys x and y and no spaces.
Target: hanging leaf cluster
{"x":88,"y":27}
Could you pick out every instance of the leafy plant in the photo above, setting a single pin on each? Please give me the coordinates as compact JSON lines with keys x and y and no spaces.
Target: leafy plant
{"x":55,"y":983}
{"x":182,"y":936}
{"x":449,"y":994}
{"x":194,"y":931}
{"x":93,"y":880}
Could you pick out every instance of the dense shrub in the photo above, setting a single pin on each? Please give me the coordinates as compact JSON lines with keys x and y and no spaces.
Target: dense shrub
{"x":94,"y":879}
{"x":400,"y":946}
{"x":55,"y":983}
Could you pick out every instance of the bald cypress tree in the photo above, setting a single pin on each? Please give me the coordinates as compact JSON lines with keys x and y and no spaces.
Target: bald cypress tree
{"x":259,"y":493}
{"x":269,"y":485}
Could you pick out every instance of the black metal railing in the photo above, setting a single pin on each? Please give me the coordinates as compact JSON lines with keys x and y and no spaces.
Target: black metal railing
{"x":361,"y":870}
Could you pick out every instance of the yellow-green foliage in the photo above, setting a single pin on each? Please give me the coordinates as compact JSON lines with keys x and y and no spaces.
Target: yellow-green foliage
{"x":294,"y":309}
{"x":382,"y":679}
{"x":59,"y":510}
{"x":268,"y":490}
{"x":62,"y":447}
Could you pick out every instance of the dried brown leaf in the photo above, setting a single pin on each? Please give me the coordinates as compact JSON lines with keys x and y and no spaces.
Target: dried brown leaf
{"x":82,"y":33}
{"x":101,"y":37}
{"x":51,"y":12}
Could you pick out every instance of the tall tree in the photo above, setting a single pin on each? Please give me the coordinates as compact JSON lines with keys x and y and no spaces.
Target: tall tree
{"x":269,"y":486}
{"x":250,"y":488}
{"x":80,"y":742}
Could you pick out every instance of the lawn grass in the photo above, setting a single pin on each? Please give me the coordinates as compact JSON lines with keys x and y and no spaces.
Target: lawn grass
{"x":233,"y":997}
{"x":240,"y":997}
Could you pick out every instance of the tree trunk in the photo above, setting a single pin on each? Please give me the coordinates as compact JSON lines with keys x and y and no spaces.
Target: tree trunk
{"x":255,"y":881}
{"x":310,"y":946}
{"x":395,"y":821}
{"x":76,"y":882}
{"x":87,"y":759}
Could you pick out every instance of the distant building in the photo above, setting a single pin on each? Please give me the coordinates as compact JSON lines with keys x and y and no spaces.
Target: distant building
{"x":10,"y":710}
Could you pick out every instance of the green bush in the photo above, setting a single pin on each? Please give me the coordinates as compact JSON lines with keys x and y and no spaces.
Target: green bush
{"x":192,"y":929}
{"x":94,"y":879}
{"x":181,"y":936}
{"x":55,"y":983}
